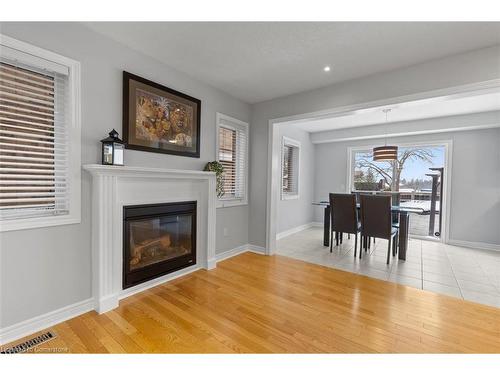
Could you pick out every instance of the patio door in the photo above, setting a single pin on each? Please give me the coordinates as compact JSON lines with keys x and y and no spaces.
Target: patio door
{"x":417,"y":179}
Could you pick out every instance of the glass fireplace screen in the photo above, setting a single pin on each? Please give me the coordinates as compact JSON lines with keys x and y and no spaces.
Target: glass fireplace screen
{"x":158,"y":239}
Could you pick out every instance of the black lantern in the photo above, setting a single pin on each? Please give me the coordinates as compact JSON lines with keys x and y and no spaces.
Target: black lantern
{"x":112,"y":149}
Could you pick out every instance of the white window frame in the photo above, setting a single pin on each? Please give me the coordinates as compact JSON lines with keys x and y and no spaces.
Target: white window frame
{"x":286,"y":141}
{"x":219,"y":117}
{"x":74,"y":138}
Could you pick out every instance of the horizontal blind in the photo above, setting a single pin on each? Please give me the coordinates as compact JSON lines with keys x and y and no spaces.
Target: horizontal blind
{"x":233,"y":157}
{"x":241,"y":163}
{"x":289,"y":169}
{"x":33,"y":141}
{"x":227,"y":157}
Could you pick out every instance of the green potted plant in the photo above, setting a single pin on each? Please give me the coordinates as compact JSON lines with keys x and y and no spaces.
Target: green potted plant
{"x":215,"y":166}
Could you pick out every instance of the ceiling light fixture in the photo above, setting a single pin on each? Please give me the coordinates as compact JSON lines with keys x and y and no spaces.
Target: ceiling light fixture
{"x":326,"y":68}
{"x":385,"y":153}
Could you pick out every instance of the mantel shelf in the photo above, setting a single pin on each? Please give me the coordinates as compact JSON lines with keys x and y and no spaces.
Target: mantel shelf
{"x":115,"y":170}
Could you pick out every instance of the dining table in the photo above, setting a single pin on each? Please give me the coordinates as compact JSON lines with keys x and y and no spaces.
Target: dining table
{"x":404,"y":224}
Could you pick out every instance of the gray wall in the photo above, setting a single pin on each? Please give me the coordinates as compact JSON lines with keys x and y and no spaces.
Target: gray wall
{"x":49,"y":268}
{"x":475,"y":66}
{"x":295,"y":212}
{"x":475,"y":178}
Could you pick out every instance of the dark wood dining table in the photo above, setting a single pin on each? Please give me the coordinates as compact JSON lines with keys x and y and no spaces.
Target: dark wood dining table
{"x":404,"y":225}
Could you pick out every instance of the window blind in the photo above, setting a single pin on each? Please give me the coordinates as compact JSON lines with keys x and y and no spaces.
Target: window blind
{"x":232,"y":154}
{"x":33,"y":141}
{"x":289,"y":169}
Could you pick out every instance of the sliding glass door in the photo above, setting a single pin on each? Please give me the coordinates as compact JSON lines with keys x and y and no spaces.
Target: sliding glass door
{"x":414,"y":180}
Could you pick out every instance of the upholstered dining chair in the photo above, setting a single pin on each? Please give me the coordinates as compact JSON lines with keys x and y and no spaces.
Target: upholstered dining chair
{"x":396,"y":200}
{"x":344,"y":217}
{"x":376,"y":220}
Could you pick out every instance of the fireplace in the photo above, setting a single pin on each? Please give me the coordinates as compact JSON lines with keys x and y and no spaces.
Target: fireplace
{"x":157,"y":239}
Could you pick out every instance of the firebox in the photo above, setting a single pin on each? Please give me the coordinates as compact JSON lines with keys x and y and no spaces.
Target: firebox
{"x":157,"y":239}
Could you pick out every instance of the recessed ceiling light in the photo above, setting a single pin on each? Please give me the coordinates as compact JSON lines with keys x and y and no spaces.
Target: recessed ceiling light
{"x":326,"y":68}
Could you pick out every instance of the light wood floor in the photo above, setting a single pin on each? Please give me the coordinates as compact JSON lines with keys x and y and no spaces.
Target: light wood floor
{"x":253,"y":303}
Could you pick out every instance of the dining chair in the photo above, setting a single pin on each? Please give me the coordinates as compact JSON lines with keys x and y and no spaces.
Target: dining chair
{"x":396,"y":200}
{"x":364,"y":241}
{"x":376,"y":221}
{"x":344,"y":217}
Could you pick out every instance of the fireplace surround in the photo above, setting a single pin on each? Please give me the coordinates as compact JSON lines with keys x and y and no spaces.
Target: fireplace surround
{"x":116,"y":187}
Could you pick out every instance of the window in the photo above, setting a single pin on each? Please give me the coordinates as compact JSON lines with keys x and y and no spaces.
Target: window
{"x":413,"y":180}
{"x":39,"y":137}
{"x":409,"y":173}
{"x":232,"y":153}
{"x":290,"y":159}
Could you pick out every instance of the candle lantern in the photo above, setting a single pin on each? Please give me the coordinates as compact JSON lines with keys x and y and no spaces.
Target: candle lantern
{"x":112,"y":149}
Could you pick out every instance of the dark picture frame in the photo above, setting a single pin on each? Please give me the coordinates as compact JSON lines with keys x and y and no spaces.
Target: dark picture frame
{"x":159,"y":119}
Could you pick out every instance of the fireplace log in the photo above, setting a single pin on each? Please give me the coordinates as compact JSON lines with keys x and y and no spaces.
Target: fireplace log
{"x":138,"y":250}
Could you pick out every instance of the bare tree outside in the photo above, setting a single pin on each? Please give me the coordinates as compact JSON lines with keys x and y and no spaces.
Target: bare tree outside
{"x":390,"y":171}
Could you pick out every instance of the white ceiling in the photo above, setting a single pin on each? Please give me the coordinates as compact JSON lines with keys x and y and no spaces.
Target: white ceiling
{"x":414,"y":110}
{"x":259,"y":61}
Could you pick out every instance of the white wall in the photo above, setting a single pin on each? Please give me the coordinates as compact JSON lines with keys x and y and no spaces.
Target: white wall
{"x":49,"y":268}
{"x":475,"y":178}
{"x":293,"y":213}
{"x":471,"y":67}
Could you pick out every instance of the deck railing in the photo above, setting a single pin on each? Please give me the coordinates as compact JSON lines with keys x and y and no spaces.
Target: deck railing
{"x":404,"y":196}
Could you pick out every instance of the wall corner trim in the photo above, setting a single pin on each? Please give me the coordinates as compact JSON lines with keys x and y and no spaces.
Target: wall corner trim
{"x":239,"y":250}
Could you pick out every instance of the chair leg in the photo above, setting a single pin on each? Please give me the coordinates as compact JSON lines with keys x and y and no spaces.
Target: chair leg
{"x":341,"y":237}
{"x":355,"y":244}
{"x":395,"y":245}
{"x":331,"y":241}
{"x":336,"y":238}
{"x":389,"y":250}
{"x":348,"y":236}
{"x":361,"y":244}
{"x":369,"y":242}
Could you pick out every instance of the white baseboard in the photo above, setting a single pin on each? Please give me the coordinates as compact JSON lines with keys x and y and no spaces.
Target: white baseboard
{"x":291,"y":231}
{"x":256,"y":249}
{"x":238,"y":250}
{"x":30,"y":326}
{"x":474,"y":245}
{"x":231,"y":253}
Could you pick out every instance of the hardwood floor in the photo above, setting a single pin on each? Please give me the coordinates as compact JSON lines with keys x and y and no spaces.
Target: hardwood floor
{"x":258,"y":304}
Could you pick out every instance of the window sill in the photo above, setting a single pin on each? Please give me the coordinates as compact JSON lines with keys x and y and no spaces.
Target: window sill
{"x":38,"y":222}
{"x":286,"y":197}
{"x":231,"y":203}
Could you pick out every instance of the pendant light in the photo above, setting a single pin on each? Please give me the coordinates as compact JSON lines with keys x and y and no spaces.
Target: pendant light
{"x":385,"y":152}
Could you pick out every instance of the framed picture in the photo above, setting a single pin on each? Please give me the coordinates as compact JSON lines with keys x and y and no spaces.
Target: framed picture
{"x":159,"y":119}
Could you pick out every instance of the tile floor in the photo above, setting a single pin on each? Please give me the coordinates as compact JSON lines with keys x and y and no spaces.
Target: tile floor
{"x":470,"y":274}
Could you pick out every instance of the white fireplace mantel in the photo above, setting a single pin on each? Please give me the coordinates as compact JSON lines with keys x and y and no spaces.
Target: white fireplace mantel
{"x":114,"y":187}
